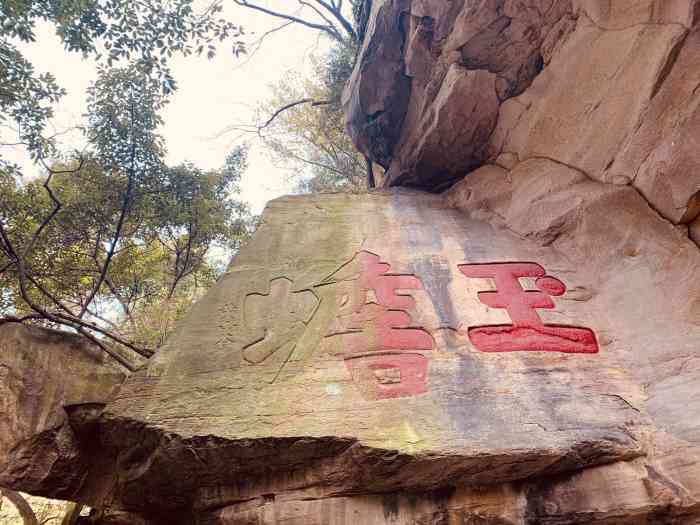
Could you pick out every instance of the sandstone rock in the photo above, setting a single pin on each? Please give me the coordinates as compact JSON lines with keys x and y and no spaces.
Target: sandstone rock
{"x":695,"y":231}
{"x":41,"y":373}
{"x":457,"y":122}
{"x":604,"y":229}
{"x":589,"y":99}
{"x":621,"y":106}
{"x":522,"y":350}
{"x":616,"y":99}
{"x":621,"y":14}
{"x":601,"y":495}
{"x":376,"y":106}
{"x":351,"y":368}
{"x":477,"y":53}
{"x":662,"y":157}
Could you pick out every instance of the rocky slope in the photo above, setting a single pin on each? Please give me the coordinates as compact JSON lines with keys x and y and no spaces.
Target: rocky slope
{"x":44,"y":377}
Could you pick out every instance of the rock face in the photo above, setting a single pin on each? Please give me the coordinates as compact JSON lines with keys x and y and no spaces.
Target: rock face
{"x":44,"y":376}
{"x":398,"y":361}
{"x":607,"y":88}
{"x":521,"y":349}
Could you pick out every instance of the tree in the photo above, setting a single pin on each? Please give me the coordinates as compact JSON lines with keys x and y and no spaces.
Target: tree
{"x":115,"y":228}
{"x":304,"y":129}
{"x":147,"y":32}
{"x":302,"y":124}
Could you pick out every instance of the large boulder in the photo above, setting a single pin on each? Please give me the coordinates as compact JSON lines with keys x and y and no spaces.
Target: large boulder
{"x":390,"y":357}
{"x":431,"y":75}
{"x":521,"y":349}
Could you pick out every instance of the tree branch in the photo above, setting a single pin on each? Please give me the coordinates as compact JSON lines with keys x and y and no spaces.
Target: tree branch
{"x":291,"y":105}
{"x":126,"y":202}
{"x":338,"y":15}
{"x":180,"y":274}
{"x":64,"y":319}
{"x":54,"y":199}
{"x":370,"y":174}
{"x":329,"y":23}
{"x":329,"y":30}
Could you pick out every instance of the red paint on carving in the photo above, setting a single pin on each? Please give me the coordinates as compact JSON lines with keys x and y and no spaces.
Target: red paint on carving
{"x":551,"y":285}
{"x":389,"y":375}
{"x":393,"y":323}
{"x":384,"y":361}
{"x":545,"y":338}
{"x":527,"y":333}
{"x":394,"y":332}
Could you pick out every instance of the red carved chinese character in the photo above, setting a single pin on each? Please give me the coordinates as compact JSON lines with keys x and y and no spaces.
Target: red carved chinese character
{"x":387,"y":315}
{"x":387,"y":376}
{"x":528,"y":332}
{"x":385,"y":360}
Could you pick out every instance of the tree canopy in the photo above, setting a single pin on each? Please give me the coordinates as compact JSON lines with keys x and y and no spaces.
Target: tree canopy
{"x":116,"y":228}
{"x":146,"y":34}
{"x":112,"y":242}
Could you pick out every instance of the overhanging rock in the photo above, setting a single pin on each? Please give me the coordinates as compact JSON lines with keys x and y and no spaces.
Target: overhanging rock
{"x":383,"y":358}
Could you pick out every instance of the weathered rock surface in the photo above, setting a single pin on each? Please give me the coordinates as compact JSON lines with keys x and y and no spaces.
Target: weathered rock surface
{"x":352,"y":370}
{"x":451,"y":66}
{"x":608,"y":88}
{"x":43,"y":373}
{"x":520,"y":350}
{"x":624,"y":114}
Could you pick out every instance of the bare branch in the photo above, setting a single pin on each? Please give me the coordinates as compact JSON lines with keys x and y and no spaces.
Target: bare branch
{"x":66,"y":319}
{"x":20,"y":320}
{"x":182,"y":273}
{"x":370,"y":174}
{"x":258,"y":44}
{"x":54,"y":199}
{"x":291,"y":105}
{"x":328,"y":29}
{"x":329,"y":23}
{"x":337,"y":14}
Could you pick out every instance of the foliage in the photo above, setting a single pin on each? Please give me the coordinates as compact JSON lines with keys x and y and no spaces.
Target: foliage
{"x":116,"y":234}
{"x":146,"y":32}
{"x":311,"y":139}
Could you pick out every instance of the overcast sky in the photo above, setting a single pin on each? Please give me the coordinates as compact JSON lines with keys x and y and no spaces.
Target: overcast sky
{"x":211,"y":95}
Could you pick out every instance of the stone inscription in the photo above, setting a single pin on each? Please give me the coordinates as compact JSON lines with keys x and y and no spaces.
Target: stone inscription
{"x":527,"y":333}
{"x":275,"y":322}
{"x":365,"y":311}
{"x":386,"y":360}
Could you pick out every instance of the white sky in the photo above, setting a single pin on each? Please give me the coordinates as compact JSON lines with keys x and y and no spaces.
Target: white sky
{"x":211,"y":95}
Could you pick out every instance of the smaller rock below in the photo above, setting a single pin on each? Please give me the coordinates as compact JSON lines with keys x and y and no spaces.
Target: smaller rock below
{"x":41,"y":373}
